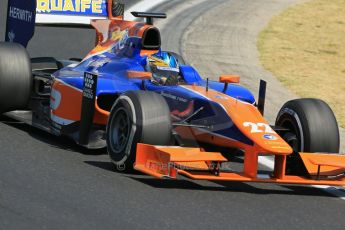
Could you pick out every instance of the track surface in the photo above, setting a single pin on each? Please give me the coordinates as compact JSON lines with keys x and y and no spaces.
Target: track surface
{"x":49,"y":183}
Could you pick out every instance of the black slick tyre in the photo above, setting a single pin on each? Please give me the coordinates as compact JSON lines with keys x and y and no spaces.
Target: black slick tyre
{"x":136,"y":117}
{"x":312,"y":128}
{"x":15,"y":77}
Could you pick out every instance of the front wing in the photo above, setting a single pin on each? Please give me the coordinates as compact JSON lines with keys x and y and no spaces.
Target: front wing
{"x":168,"y":162}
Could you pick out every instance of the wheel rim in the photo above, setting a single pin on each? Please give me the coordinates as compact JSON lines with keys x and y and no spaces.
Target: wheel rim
{"x":120,"y":131}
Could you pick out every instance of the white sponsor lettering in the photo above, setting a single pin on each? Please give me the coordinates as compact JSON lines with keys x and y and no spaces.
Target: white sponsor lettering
{"x":88,"y":86}
{"x":20,"y":14}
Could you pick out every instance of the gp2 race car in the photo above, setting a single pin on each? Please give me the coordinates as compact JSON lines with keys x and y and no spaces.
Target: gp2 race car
{"x":189,"y":127}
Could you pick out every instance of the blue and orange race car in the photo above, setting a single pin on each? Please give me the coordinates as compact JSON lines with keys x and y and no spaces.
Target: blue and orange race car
{"x":152,"y":111}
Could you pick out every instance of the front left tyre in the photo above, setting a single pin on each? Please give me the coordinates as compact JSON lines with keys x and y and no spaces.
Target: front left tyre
{"x":15,"y":77}
{"x":136,"y":117}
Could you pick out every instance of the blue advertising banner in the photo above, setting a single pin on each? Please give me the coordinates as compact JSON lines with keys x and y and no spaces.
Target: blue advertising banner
{"x":20,"y":25}
{"x":97,"y":8}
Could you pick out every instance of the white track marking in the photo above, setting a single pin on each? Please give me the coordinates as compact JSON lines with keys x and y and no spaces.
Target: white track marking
{"x":266,"y":161}
{"x":335,"y":191}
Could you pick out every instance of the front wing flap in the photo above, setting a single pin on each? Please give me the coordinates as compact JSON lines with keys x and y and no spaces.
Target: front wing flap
{"x":164,"y":161}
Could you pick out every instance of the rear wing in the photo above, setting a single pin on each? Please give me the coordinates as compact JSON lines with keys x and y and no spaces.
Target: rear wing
{"x":23,"y":15}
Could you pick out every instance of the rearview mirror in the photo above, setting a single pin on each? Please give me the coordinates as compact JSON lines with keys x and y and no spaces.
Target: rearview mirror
{"x":226,"y":79}
{"x":229,"y":79}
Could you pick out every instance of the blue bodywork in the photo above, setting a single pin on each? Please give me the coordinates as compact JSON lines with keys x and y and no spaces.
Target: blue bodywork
{"x":111,"y":68}
{"x":112,"y":78}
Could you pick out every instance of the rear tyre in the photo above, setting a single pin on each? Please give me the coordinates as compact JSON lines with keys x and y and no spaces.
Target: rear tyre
{"x":15,"y":77}
{"x":312,"y":128}
{"x":136,"y":117}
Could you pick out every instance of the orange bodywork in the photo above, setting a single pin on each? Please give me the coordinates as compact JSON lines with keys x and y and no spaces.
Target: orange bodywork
{"x":110,"y":32}
{"x":147,"y":52}
{"x":323,"y":164}
{"x":69,"y":105}
{"x":158,"y":161}
{"x":68,"y":96}
{"x":139,"y":75}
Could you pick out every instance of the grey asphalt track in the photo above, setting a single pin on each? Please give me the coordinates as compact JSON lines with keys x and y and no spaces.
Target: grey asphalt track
{"x":50,"y":183}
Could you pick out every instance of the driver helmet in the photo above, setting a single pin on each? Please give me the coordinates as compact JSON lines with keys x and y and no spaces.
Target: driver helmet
{"x":163,"y":66}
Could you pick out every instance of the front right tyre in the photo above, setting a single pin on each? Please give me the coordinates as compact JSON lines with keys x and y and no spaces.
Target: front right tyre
{"x":312,"y":127}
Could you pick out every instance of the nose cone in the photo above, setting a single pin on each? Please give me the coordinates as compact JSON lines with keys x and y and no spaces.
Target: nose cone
{"x":249,"y":121}
{"x":253,"y":125}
